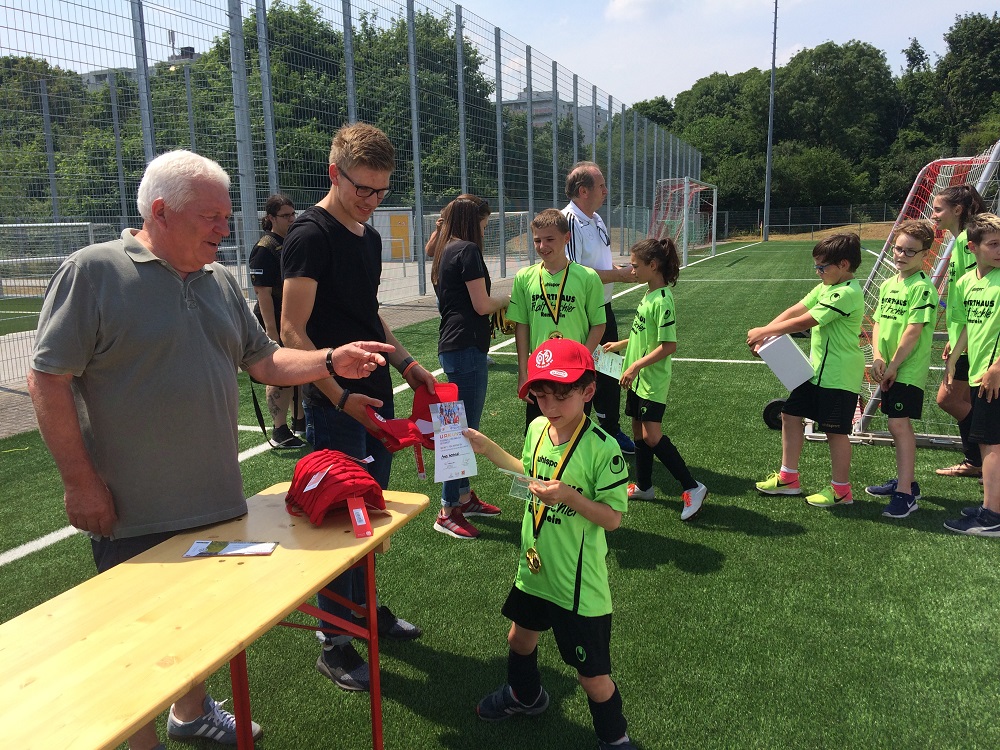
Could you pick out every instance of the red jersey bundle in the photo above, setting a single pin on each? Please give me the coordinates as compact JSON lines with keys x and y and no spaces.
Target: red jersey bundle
{"x":325,"y":480}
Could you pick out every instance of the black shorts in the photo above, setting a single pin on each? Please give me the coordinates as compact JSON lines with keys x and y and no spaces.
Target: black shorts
{"x":643,"y":409}
{"x":962,"y":368}
{"x":985,"y":429}
{"x":584,"y":642}
{"x":830,"y":408}
{"x":903,"y":400}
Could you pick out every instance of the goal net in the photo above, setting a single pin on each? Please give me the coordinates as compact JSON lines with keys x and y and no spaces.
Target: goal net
{"x":935,"y":428}
{"x":685,"y":210}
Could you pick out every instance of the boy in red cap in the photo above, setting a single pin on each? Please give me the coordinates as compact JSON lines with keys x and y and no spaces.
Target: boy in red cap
{"x":578,"y":490}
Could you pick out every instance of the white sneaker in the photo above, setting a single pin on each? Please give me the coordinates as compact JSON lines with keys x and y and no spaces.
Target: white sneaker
{"x":634,"y":493}
{"x":693,"y":500}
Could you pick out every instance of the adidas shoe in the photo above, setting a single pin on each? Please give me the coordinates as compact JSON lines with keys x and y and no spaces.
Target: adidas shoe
{"x":827,"y":498}
{"x":454,"y":525}
{"x":476,"y":507}
{"x":774,"y":486}
{"x":693,"y":500}
{"x":215,"y":724}
{"x":900,"y":506}
{"x":282,"y":437}
{"x":634,"y":493}
{"x":501,"y":704}
{"x":887,"y":489}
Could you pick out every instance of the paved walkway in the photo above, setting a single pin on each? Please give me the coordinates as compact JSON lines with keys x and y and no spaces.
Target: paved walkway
{"x":17,"y":414}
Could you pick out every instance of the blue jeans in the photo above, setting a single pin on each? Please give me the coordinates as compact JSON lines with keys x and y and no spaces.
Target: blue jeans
{"x":328,"y":428}
{"x":468,"y":370}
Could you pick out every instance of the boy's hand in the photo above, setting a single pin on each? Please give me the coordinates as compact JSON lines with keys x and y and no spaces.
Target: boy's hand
{"x":553,"y":492}
{"x":990,"y":387}
{"x":889,"y":377}
{"x":615,"y":346}
{"x":628,"y":377}
{"x":878,"y":370}
{"x":521,"y":377}
{"x":479,"y":442}
{"x":755,"y":337}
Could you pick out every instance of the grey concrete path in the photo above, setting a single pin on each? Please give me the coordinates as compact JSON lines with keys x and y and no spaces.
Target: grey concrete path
{"x":17,"y":414}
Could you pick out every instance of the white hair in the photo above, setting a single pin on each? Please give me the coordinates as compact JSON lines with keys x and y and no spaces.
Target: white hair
{"x":173,"y":176}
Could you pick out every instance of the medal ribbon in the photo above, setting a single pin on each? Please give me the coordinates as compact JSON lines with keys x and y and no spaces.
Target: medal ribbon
{"x":538,"y":508}
{"x":541,"y":284}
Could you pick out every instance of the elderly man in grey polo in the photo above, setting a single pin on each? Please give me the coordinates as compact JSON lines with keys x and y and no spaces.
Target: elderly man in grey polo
{"x":590,"y":245}
{"x":134,"y":383}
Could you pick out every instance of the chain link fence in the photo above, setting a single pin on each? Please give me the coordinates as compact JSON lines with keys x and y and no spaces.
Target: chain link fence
{"x":804,"y":222}
{"x":91,"y":90}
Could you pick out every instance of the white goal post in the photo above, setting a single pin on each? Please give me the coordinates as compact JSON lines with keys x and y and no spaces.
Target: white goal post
{"x":686,"y":210}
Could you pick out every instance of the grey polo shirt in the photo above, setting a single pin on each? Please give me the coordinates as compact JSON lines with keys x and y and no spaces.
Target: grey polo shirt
{"x":154,"y":359}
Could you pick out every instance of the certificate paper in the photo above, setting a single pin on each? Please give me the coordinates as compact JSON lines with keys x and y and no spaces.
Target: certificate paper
{"x":453,"y":454}
{"x":609,"y":363}
{"x":206,"y":548}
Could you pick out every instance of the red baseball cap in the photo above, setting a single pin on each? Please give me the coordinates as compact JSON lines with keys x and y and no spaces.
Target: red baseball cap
{"x":557,"y":361}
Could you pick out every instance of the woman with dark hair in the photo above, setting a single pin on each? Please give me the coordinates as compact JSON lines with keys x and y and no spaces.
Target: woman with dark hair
{"x":462,"y":284}
{"x":265,"y":275}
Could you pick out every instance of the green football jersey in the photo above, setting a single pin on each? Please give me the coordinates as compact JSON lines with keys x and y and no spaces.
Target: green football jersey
{"x":835,"y":350}
{"x":901,"y":303}
{"x":580,"y":303}
{"x":653,"y":324}
{"x":574,"y":571}
{"x":980,"y":301}
{"x":960,"y":263}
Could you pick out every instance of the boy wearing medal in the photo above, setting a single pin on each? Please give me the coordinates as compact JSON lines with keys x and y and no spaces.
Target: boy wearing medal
{"x":578,"y":490}
{"x":553,"y":299}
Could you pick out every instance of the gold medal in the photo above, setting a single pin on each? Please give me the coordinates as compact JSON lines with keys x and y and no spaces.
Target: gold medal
{"x":534,"y":561}
{"x":555,"y":335}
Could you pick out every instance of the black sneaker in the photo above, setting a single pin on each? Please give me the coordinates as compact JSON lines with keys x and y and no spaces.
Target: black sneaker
{"x":900,"y":506}
{"x":394,"y":627}
{"x":299,"y":427}
{"x":984,"y":523}
{"x":501,"y":704}
{"x":344,"y":665}
{"x":971,"y":510}
{"x":282,"y":437}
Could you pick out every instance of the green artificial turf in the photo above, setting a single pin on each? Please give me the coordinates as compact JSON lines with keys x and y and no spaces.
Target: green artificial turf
{"x":764,"y":623}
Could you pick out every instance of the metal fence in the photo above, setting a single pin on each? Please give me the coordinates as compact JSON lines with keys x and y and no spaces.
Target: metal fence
{"x":91,"y":90}
{"x":806,"y":219}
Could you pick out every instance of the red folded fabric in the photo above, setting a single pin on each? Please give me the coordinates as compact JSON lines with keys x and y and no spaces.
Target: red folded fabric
{"x":324,"y":480}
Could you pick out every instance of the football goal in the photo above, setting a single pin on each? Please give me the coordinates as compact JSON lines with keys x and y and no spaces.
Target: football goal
{"x":686,"y":210}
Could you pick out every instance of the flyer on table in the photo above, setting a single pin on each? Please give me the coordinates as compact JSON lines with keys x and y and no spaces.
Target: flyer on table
{"x":453,"y":454}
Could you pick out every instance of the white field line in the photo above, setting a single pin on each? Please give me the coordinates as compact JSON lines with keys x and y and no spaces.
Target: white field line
{"x":67,"y":531}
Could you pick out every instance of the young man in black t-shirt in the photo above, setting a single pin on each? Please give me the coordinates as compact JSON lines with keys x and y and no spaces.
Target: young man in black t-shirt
{"x":331,"y":263}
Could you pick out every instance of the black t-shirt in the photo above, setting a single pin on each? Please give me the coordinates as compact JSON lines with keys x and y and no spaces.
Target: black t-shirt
{"x":461,"y":326}
{"x":346,"y":269}
{"x":265,"y":271}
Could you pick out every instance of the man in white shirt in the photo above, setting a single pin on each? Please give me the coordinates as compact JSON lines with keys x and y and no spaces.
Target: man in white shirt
{"x":590,"y":245}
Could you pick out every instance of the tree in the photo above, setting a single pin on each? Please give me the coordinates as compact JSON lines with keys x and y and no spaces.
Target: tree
{"x":969,"y":71}
{"x":658,"y":110}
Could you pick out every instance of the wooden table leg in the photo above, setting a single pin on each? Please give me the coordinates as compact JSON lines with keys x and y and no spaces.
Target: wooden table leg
{"x":241,"y":700}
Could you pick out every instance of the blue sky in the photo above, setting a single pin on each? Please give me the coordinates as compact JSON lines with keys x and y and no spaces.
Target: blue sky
{"x":638,"y":49}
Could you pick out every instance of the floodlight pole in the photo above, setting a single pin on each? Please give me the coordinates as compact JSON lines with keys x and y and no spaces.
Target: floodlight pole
{"x":770,"y":128}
